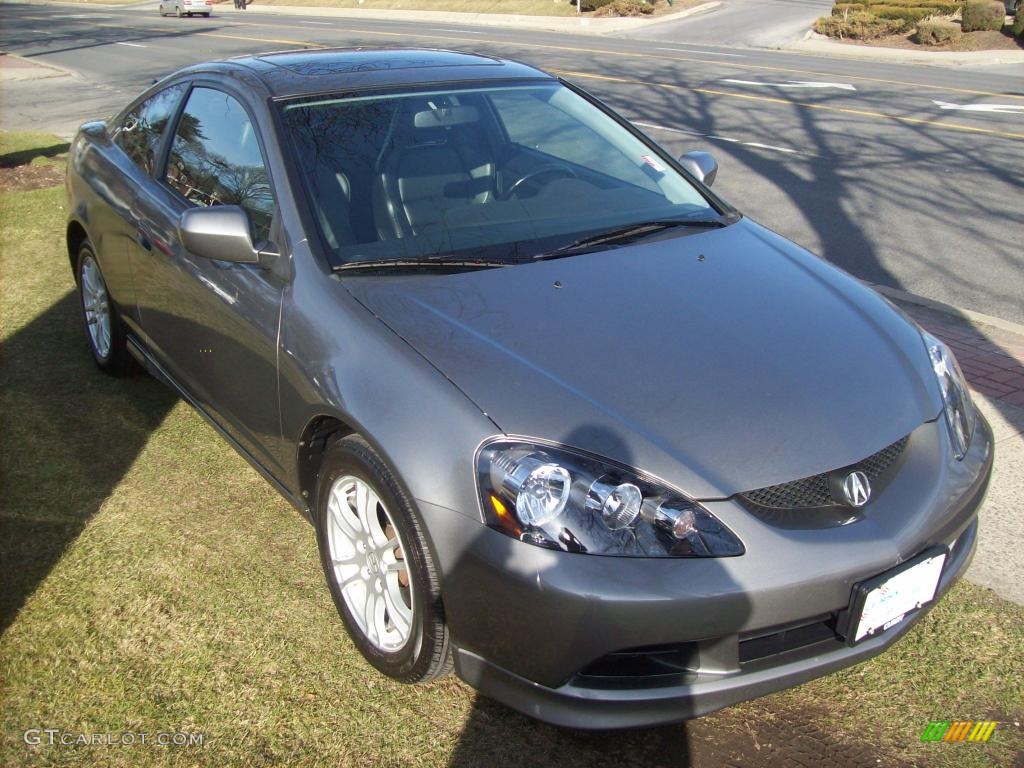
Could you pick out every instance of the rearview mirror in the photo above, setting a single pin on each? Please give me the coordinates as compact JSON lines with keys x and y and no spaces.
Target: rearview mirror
{"x":219,"y":232}
{"x":701,"y":166}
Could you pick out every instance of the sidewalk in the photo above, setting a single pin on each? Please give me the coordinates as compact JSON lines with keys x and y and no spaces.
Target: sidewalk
{"x":820,"y":45}
{"x":569,"y":24}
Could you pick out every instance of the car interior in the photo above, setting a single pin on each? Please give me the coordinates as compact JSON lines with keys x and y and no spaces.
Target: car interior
{"x":429,"y":167}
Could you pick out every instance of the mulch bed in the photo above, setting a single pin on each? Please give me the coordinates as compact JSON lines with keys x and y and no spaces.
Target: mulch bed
{"x":22,"y":178}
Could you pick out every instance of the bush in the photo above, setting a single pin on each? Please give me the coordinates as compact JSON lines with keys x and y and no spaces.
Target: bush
{"x":626,"y":8}
{"x":1018,"y":22}
{"x":938,"y":31}
{"x":592,"y":5}
{"x":983,"y":14}
{"x":909,"y":16}
{"x":857,"y":26}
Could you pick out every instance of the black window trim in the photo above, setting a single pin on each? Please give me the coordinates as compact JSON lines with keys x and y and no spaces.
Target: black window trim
{"x":214,"y":85}
{"x":122,"y":116}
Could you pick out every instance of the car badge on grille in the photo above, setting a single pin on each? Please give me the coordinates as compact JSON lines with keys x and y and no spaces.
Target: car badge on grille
{"x":856,"y":489}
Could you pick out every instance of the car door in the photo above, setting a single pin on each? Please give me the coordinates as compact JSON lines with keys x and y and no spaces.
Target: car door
{"x":117,"y":178}
{"x":213,"y":325}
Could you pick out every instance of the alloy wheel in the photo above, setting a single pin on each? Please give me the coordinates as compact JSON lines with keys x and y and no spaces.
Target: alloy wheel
{"x":368,"y":563}
{"x":96,"y":304}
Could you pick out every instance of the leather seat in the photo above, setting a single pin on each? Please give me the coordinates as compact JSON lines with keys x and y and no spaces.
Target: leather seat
{"x":427,"y":170}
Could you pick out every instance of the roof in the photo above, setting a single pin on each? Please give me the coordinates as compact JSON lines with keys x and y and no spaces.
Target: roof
{"x":296,"y":73}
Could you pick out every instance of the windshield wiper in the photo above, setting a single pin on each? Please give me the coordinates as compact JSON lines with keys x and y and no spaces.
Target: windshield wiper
{"x":626,"y":234}
{"x":429,"y":263}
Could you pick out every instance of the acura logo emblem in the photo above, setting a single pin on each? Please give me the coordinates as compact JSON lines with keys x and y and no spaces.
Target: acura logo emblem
{"x":856,"y":489}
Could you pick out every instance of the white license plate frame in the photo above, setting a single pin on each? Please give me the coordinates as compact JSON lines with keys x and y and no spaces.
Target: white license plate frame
{"x":888,"y":599}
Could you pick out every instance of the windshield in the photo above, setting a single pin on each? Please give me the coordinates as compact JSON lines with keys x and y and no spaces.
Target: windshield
{"x":503,"y":173}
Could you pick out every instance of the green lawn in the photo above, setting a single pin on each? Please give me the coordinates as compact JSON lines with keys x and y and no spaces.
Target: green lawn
{"x":153,"y":582}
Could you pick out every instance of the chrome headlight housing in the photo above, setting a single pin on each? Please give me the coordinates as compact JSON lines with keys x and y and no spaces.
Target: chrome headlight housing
{"x":956,"y":400}
{"x":559,"y":498}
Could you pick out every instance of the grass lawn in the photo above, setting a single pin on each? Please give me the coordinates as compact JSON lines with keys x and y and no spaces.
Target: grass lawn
{"x":153,"y":582}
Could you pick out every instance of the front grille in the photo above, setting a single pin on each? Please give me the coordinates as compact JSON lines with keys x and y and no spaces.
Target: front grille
{"x":813,"y":492}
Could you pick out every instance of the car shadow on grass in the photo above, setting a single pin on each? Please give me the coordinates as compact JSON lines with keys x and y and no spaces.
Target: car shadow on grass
{"x":69,"y":435}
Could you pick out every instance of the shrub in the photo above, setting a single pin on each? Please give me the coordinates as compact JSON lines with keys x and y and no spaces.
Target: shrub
{"x":626,"y":8}
{"x":909,"y":16}
{"x":938,"y":31}
{"x":840,"y":8}
{"x":1018,"y":22}
{"x":983,"y":14}
{"x":857,"y":26}
{"x":592,"y":5}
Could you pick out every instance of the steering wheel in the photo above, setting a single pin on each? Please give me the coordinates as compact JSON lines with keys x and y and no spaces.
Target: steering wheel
{"x":563,"y":170}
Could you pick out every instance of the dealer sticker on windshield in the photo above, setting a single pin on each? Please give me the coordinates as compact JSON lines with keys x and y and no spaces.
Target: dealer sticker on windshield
{"x":890,"y":597}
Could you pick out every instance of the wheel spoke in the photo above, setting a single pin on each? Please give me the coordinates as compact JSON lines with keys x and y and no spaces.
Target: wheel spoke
{"x":336,"y":507}
{"x":401,"y":614}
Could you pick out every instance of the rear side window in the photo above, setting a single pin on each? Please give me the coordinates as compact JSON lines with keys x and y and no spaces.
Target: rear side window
{"x":142,"y":129}
{"x":215,"y":158}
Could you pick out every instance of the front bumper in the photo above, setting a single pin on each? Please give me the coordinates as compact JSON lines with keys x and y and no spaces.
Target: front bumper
{"x":531,"y":626}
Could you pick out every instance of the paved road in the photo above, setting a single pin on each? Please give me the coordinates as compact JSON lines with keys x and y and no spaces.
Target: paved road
{"x":871,"y":171}
{"x":763,"y":23}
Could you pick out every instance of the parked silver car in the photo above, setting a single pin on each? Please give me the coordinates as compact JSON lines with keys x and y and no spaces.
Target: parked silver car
{"x":564,"y":419}
{"x":186,"y":7}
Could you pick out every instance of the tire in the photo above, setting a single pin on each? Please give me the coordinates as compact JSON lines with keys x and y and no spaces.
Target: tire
{"x":207,"y":15}
{"x":357,"y":578}
{"x":107,"y":345}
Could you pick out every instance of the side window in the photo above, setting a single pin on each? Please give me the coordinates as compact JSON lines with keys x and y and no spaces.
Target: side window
{"x":141,"y":130}
{"x":533,"y":122}
{"x":215,"y":158}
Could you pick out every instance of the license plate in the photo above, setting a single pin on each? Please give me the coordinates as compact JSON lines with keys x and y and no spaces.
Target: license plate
{"x":886,"y":600}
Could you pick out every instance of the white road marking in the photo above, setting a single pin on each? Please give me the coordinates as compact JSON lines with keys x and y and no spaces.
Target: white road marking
{"x":702,"y":53}
{"x":755,"y":144}
{"x":794,"y":84}
{"x":670,"y":130}
{"x":461,"y":31}
{"x":324,"y":23}
{"x":132,"y":45}
{"x":769,"y":146}
{"x":1008,"y":109}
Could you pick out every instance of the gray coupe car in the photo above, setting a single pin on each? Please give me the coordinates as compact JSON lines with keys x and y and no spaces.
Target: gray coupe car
{"x":564,"y":420}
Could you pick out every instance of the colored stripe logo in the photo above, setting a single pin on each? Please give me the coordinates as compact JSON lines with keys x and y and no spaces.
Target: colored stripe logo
{"x":958,"y":730}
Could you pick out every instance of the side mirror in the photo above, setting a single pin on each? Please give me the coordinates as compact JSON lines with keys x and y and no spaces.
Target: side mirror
{"x":701,"y":166}
{"x":219,"y":232}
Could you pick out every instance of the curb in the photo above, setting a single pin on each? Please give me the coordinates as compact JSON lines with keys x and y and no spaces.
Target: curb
{"x":814,"y":43}
{"x":566,"y":24}
{"x":978,"y":318}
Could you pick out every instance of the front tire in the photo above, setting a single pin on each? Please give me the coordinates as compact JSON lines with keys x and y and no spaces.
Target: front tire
{"x":379,"y":566}
{"x":178,"y":12}
{"x":104,"y":330}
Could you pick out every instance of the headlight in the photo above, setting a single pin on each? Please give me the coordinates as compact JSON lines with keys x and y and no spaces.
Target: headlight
{"x":956,"y":400}
{"x":561,"y":499}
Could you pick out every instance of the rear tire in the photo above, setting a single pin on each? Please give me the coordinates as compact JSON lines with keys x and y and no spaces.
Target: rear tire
{"x":371,"y":540}
{"x":104,"y":331}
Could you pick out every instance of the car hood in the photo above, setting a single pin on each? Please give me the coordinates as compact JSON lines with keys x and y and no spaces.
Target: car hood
{"x":722,"y":361}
